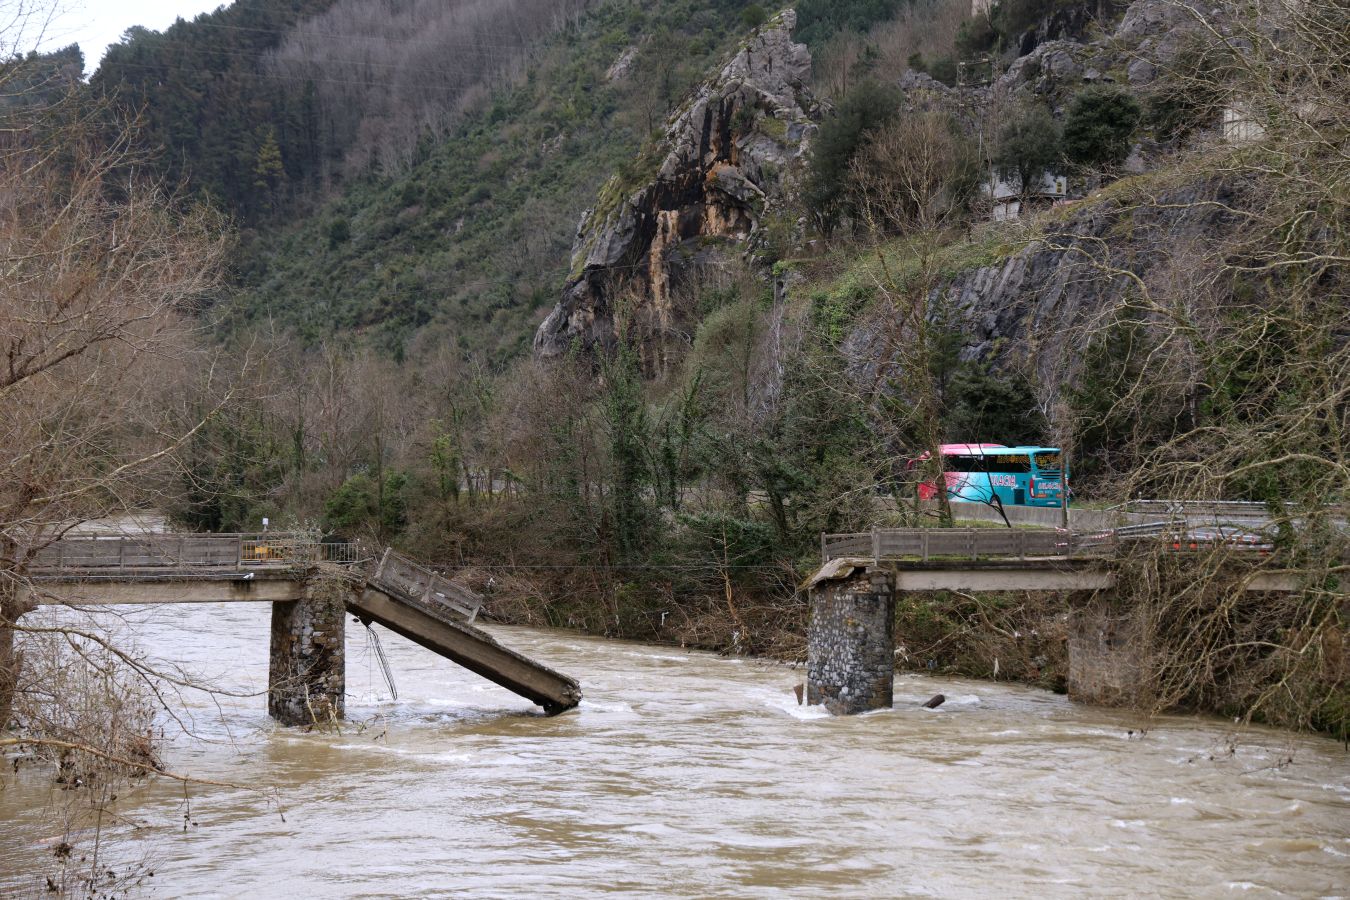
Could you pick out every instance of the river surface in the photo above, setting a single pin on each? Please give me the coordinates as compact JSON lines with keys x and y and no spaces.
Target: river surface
{"x":683,"y":774}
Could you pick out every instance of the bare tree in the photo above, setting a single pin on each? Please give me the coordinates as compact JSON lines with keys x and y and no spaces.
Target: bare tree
{"x":101,"y":272}
{"x":915,"y":177}
{"x":1235,"y":382}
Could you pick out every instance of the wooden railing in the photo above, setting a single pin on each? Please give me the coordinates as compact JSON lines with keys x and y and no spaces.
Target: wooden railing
{"x":413,"y":583}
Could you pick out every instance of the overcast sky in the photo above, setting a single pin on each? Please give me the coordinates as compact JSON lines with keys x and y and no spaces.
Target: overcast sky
{"x":94,"y":24}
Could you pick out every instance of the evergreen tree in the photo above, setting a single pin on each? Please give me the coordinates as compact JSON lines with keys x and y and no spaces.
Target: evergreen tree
{"x":1100,"y":126}
{"x":1027,"y":147}
{"x":268,"y":172}
{"x":625,"y":414}
{"x":866,"y":108}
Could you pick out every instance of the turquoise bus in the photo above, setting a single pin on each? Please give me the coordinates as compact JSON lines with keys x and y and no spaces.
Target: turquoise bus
{"x":1016,"y":476}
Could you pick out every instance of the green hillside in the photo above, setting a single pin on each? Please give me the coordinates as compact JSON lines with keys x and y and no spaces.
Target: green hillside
{"x":473,"y":241}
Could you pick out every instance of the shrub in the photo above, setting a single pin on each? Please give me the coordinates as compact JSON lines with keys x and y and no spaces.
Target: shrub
{"x":1100,"y":126}
{"x":976,"y":36}
{"x":1028,"y":146}
{"x":944,"y":70}
{"x":339,"y":232}
{"x":753,"y":16}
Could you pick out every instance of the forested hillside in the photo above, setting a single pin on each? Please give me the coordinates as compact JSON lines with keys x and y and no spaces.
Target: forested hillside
{"x":261,"y":105}
{"x":216,"y":119}
{"x":471,"y":241}
{"x":403,"y":166}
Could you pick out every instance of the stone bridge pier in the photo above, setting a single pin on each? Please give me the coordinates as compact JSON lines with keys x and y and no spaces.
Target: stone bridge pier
{"x":850,"y":656}
{"x":306,"y":677}
{"x":851,"y":639}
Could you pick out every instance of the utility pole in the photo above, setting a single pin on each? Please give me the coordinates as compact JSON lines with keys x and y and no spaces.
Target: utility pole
{"x":1064,"y":488}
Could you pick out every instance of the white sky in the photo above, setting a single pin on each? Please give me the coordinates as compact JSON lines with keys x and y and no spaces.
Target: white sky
{"x":94,"y":24}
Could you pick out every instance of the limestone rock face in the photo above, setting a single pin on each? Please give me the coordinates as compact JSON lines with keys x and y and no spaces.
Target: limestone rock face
{"x":728,"y":156}
{"x":1059,"y":62}
{"x":1037,"y":305}
{"x":1157,"y":30}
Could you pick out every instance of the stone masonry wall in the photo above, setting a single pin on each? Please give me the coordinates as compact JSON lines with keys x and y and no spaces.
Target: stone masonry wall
{"x":307,"y":677}
{"x":851,"y":644}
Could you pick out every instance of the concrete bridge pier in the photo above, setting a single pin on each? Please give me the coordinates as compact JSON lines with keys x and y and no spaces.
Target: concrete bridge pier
{"x":1108,"y":657}
{"x":850,"y":656}
{"x":306,"y":678}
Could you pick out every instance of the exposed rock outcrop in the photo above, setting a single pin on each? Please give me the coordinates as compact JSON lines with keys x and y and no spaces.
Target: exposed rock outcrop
{"x":1034,"y":308}
{"x":1069,"y":22}
{"x":727,"y":158}
{"x":1147,"y":38}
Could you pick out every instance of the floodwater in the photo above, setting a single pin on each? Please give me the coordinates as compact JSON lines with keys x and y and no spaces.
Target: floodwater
{"x":684,"y":774}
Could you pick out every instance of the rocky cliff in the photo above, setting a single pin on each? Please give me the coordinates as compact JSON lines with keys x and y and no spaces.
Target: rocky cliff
{"x":727,"y":159}
{"x":1037,"y":305}
{"x":1034,"y":307}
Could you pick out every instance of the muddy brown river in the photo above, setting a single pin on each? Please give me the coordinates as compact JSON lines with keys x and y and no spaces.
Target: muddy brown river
{"x":683,"y":774}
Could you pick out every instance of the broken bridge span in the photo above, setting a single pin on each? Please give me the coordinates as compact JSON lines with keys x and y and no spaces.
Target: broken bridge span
{"x":311,"y":586}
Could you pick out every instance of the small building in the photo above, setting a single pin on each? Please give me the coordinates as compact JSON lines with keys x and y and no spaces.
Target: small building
{"x":1239,"y":127}
{"x":1008,"y":201}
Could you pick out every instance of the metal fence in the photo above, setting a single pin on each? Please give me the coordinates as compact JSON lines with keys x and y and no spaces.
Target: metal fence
{"x":927,"y":543}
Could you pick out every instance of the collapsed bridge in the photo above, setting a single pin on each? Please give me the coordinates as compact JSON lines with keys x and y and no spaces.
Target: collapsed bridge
{"x":311,"y":587}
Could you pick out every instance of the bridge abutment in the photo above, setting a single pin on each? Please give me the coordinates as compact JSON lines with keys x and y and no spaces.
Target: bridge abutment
{"x":307,"y":679}
{"x":1108,"y":662}
{"x":850,"y":662}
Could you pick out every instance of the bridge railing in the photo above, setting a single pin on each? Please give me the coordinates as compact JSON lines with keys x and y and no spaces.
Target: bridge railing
{"x":416,"y":584}
{"x":1004,"y":543}
{"x":927,"y":543}
{"x":188,"y":552}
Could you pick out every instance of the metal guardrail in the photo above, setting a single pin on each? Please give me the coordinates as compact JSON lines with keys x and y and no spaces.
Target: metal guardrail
{"x":1241,"y":509}
{"x":1002,"y":543}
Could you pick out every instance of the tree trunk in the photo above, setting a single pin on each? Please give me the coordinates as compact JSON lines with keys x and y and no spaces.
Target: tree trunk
{"x":11,"y":660}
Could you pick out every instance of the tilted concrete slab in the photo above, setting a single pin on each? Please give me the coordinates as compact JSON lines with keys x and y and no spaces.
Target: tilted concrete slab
{"x":470,"y":647}
{"x":216,"y":588}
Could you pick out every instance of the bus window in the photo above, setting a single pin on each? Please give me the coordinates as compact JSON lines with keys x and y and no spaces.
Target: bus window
{"x":1008,"y":463}
{"x":1048,"y":464}
{"x":954,"y":463}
